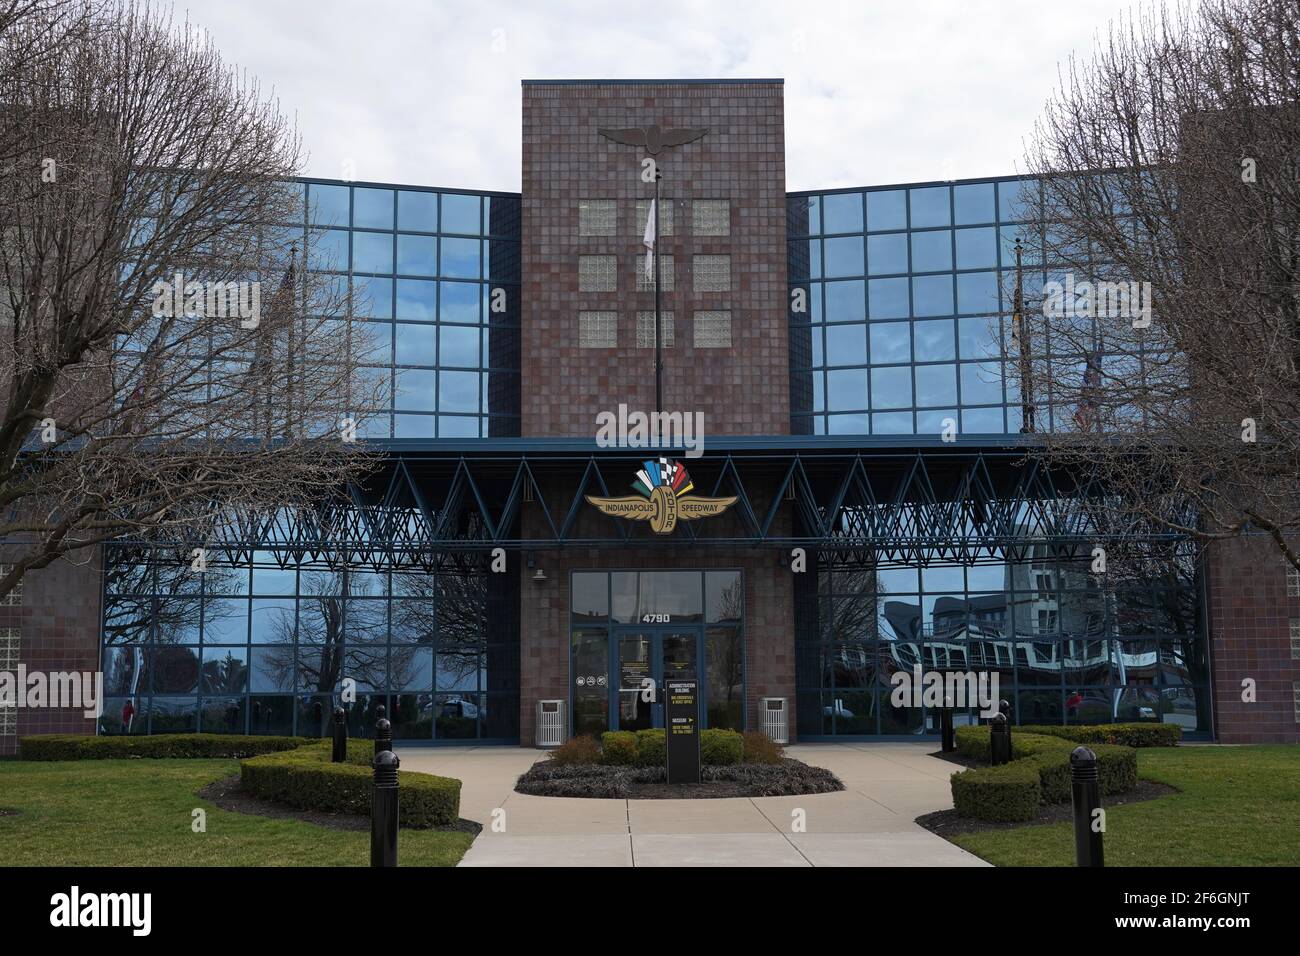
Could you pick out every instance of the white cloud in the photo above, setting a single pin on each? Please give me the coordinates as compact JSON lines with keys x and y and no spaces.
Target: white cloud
{"x":875,"y":93}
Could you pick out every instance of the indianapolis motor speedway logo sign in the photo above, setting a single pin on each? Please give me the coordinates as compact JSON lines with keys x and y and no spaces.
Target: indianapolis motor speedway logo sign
{"x":664,"y":498}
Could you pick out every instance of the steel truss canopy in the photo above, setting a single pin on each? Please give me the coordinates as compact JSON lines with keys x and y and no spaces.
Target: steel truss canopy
{"x":437,"y":505}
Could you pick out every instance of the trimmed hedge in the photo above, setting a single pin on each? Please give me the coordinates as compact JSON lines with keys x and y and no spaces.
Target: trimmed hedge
{"x":183,"y":746}
{"x":718,"y":748}
{"x":618,"y":748}
{"x":1039,"y":773}
{"x":305,"y":778}
{"x":1126,"y":735}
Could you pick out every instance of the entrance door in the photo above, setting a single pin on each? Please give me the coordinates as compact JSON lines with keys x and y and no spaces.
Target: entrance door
{"x":645,"y":658}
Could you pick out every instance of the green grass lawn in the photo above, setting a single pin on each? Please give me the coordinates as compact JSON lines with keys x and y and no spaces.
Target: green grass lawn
{"x":1240,"y":806}
{"x":138,"y":813}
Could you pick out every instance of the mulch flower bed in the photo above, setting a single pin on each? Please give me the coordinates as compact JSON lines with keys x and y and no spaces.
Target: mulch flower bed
{"x":226,"y":794}
{"x":787,"y":777}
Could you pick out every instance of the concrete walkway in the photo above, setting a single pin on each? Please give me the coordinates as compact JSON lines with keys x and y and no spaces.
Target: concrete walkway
{"x":869,"y":824}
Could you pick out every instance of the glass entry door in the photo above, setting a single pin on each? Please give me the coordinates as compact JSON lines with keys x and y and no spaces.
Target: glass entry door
{"x":645,"y":657}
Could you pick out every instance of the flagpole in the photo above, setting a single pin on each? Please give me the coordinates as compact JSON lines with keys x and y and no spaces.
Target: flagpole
{"x":659,"y":332}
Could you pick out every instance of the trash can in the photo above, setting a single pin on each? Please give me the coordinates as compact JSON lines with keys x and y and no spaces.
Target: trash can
{"x":550,"y":723}
{"x":774,"y":713}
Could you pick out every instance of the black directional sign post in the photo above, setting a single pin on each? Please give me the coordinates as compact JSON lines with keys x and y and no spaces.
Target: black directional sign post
{"x":682,"y":723}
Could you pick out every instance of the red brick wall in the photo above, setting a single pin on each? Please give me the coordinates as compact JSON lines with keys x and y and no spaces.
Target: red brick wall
{"x":741,"y":390}
{"x":1249,"y":622}
{"x":59,"y":619}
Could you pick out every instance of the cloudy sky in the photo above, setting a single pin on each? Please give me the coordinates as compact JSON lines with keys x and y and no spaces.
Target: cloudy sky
{"x":427,"y":91}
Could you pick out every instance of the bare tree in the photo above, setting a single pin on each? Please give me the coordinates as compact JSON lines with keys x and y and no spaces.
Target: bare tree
{"x":1165,"y":341}
{"x":168,"y":363}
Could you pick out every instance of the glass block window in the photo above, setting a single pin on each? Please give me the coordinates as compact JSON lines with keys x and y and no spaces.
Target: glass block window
{"x":15,"y":597}
{"x":645,"y":329}
{"x":711,"y":217}
{"x":597,"y":274}
{"x":597,"y":217}
{"x":645,"y":282}
{"x":1292,"y":581}
{"x":1295,"y":639}
{"x":665,"y":216}
{"x":713,"y":273}
{"x":9,"y":643}
{"x":713,"y":330}
{"x":597,"y":330}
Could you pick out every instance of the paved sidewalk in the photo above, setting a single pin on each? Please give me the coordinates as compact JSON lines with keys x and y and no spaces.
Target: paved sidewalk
{"x":868,"y":824}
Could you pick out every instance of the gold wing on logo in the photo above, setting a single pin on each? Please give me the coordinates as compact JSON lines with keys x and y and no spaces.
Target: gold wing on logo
{"x":633,"y":507}
{"x":690,"y":507}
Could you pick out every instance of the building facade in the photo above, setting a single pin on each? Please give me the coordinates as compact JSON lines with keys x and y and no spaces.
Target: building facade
{"x":868,"y":508}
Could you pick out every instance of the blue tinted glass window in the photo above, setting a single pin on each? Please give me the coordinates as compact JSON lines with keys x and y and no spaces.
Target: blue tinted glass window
{"x":887,"y":298}
{"x":846,"y":345}
{"x":417,"y":255}
{"x":842,"y":212}
{"x":416,"y":345}
{"x":328,"y":205}
{"x":416,"y":390}
{"x":460,"y":302}
{"x":372,"y":298}
{"x":846,"y":389}
{"x":817,"y":347}
{"x":936,"y":385}
{"x":892,"y":423}
{"x":931,"y":251}
{"x":934,"y":341}
{"x":417,"y":211}
{"x":930,"y":207}
{"x":372,"y":252}
{"x":329,"y":250}
{"x":413,"y":426}
{"x":372,"y":208}
{"x":814,"y":215}
{"x":1031,"y":247}
{"x":977,"y":292}
{"x":978,"y":338}
{"x":819,"y":389}
{"x":458,"y":345}
{"x":891,"y":342}
{"x":973,"y":203}
{"x":460,"y":258}
{"x":815,"y":302}
{"x":458,"y":391}
{"x":847,"y":425}
{"x":417,"y":299}
{"x":887,"y":255}
{"x":935,"y":422}
{"x":977,"y":248}
{"x":981,"y":421}
{"x":457,"y":426}
{"x":891,"y":387}
{"x":844,"y":256}
{"x":886,"y":209}
{"x":460,"y":214}
{"x":374,"y":343}
{"x":932,"y":295}
{"x":846,"y":301}
{"x":1013,"y":201}
{"x":981,"y":383}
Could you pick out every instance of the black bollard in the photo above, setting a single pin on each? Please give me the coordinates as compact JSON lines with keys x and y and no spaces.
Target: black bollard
{"x":340,"y":752}
{"x":383,"y":810}
{"x":1085,"y":795}
{"x":946,"y":735}
{"x":998,"y":740}
{"x":383,"y":733}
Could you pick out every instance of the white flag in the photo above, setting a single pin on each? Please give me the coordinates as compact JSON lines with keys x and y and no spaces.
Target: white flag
{"x":649,"y":241}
